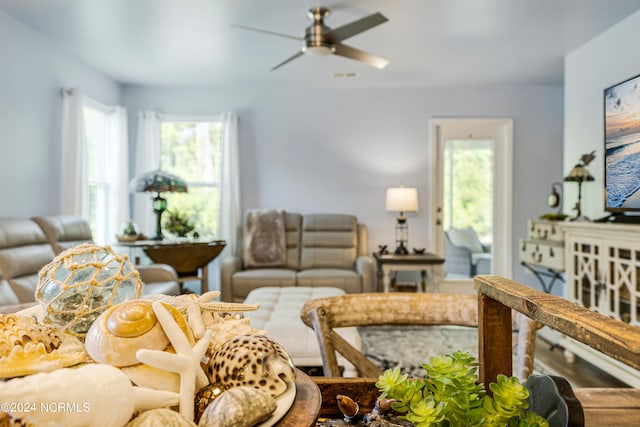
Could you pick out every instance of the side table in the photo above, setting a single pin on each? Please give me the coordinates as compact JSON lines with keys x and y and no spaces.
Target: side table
{"x":187,"y":257}
{"x":426,"y":263}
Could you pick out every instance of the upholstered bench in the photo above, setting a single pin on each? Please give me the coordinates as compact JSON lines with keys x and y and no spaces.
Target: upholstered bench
{"x":279,"y":315}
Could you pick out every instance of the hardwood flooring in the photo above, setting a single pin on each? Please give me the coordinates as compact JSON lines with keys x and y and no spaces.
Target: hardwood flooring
{"x":580,"y":373}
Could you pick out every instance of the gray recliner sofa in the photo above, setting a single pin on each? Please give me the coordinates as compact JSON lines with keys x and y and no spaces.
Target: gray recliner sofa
{"x":321,"y":250}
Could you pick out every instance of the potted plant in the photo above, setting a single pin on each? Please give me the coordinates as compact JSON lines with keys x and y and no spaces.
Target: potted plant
{"x":450,"y":395}
{"x":178,"y":223}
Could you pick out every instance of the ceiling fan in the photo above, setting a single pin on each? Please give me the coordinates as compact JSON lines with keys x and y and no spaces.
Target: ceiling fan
{"x":321,"y":40}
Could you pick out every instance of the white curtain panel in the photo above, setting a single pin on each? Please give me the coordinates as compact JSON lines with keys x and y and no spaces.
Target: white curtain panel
{"x":230,"y":214}
{"x":75,"y":187}
{"x":147,"y":159}
{"x":117,"y":172}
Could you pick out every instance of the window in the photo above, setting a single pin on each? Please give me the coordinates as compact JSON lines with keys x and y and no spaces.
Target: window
{"x":96,"y":123}
{"x":191,"y":149}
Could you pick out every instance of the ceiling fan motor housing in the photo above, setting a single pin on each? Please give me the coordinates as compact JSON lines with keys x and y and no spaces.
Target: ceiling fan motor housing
{"x":315,"y":41}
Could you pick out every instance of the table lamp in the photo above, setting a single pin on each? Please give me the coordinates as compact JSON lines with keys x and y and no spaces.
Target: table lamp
{"x":402,"y":199}
{"x":580,"y":174}
{"x":158,"y":181}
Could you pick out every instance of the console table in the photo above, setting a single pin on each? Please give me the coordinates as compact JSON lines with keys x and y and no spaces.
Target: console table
{"x":187,"y":257}
{"x":600,"y":263}
{"x":425,"y":263}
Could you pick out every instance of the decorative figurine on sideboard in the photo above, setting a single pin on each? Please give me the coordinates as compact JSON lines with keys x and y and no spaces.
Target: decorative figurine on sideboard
{"x":382,"y":250}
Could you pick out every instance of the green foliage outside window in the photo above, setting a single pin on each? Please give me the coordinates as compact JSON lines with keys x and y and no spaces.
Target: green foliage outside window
{"x":191,"y":150}
{"x":468,"y":186}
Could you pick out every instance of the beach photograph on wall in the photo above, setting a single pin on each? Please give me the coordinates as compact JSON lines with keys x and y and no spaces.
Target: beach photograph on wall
{"x":622,"y":145}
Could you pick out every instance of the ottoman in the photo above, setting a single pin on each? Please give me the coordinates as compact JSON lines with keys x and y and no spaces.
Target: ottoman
{"x":279,"y":315}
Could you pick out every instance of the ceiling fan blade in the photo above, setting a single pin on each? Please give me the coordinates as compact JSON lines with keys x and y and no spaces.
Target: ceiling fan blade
{"x":298,"y":54}
{"x":273,"y":33}
{"x":360,"y":55}
{"x":349,"y":30}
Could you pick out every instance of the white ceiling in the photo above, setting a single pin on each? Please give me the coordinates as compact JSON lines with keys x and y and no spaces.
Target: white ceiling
{"x":429,"y":42}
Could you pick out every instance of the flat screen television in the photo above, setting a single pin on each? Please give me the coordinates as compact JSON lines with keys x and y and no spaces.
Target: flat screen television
{"x":622,"y":148}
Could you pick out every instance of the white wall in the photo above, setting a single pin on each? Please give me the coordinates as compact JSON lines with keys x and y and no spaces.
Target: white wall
{"x":337,"y":150}
{"x":606,"y":60}
{"x":31,"y":76}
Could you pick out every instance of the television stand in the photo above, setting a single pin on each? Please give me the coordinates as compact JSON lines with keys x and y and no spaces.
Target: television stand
{"x":619,"y":218}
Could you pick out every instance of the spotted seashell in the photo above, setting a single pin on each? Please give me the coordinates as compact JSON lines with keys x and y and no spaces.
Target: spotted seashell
{"x":252,"y":360}
{"x":161,"y":417}
{"x":28,"y":347}
{"x":122,"y":330}
{"x":205,"y":396}
{"x":238,"y":407}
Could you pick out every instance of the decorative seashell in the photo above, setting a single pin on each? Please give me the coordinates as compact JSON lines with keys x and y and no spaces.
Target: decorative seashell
{"x":28,"y":347}
{"x":205,"y":396}
{"x":148,"y":376}
{"x":385,"y":404}
{"x":252,"y":360}
{"x":226,"y":327}
{"x":348,"y":407}
{"x":94,"y":394}
{"x":161,"y":417}
{"x":238,"y":407}
{"x":125,"y":328}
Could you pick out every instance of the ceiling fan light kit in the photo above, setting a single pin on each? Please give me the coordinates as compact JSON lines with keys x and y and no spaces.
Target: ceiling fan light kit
{"x":320,"y":40}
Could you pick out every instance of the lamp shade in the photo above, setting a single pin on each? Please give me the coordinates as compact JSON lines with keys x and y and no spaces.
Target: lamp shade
{"x":402,"y":199}
{"x":158,"y":181}
{"x":579,"y":174}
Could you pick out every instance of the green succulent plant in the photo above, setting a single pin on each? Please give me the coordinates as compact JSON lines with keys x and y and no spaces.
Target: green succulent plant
{"x":450,"y":396}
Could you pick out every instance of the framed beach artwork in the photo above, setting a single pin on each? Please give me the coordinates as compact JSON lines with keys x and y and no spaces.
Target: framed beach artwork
{"x":622,"y":146}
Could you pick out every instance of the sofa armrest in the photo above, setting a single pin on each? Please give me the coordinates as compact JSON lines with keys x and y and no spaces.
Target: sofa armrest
{"x":157,"y":273}
{"x":365,"y":268}
{"x":228,"y":267}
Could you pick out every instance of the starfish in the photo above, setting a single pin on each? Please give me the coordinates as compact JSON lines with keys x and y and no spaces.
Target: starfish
{"x":185,"y":362}
{"x":200,"y":309}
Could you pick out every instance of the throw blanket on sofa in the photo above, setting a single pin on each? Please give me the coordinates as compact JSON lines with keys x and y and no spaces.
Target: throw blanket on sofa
{"x":265,"y":243}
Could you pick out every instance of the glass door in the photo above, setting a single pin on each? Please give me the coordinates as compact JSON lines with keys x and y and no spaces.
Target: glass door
{"x":472,"y":198}
{"x":467,"y":209}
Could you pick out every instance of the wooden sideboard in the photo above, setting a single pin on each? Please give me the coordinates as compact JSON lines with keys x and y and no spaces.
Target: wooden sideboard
{"x":600,"y":264}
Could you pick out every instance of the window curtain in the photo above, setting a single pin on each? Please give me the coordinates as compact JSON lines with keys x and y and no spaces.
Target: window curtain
{"x":117,"y":172}
{"x":147,"y":159}
{"x":230,"y":214}
{"x":75,"y":186}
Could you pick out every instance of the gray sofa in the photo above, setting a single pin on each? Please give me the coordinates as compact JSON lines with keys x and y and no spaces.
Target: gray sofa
{"x":28,"y":244}
{"x":321,"y":250}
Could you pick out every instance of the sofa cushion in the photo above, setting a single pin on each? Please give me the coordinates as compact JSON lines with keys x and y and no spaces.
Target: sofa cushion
{"x":24,"y":250}
{"x":245,"y":281}
{"x":293,"y":226}
{"x":7,"y":294}
{"x":348,"y":280}
{"x":329,"y":241}
{"x":64,"y":231}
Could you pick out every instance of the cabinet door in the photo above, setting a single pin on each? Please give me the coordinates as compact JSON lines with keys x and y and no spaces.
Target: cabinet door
{"x":621,"y":290}
{"x":584,"y":273}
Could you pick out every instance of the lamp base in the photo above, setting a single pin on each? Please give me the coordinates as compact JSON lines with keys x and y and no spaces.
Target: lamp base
{"x":401,"y":249}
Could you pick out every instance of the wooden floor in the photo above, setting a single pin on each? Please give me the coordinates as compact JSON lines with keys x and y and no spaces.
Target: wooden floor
{"x":580,"y":373}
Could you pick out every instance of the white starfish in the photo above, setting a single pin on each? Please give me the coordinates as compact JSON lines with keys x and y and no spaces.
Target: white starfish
{"x":185,"y":362}
{"x":199,"y":309}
